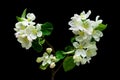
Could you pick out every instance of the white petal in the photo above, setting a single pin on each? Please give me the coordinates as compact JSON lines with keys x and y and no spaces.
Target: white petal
{"x":49,"y":61}
{"x":80,"y":38}
{"x":76,"y":45}
{"x":98,"y":21}
{"x":44,"y":63}
{"x":18,"y":24}
{"x":97,"y":34}
{"x":83,"y":61}
{"x":38,"y":26}
{"x":33,"y":36}
{"x":81,"y":52}
{"x":97,"y":18}
{"x":76,"y":32}
{"x":91,"y":52}
{"x":26,"y":44}
{"x":88,"y":13}
{"x":39,"y":34}
{"x":29,"y":38}
{"x":78,"y":63}
{"x":77,"y":52}
{"x":31,"y":16}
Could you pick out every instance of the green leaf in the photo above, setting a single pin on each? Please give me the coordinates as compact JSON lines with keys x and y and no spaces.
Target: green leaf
{"x":36,"y":46}
{"x":43,"y":67}
{"x":41,"y":41}
{"x":69,"y":48}
{"x":47,"y":28}
{"x":68,"y":63}
{"x":72,"y":39}
{"x":24,"y":13}
{"x":101,"y":27}
{"x":19,"y":18}
{"x":60,"y":55}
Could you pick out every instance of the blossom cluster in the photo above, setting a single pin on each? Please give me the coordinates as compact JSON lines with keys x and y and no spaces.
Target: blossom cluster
{"x":47,"y":59}
{"x":27,"y":30}
{"x":86,"y":33}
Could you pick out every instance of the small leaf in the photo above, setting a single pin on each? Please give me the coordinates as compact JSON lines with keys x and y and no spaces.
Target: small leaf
{"x":36,"y":46}
{"x":24,"y":13}
{"x":72,"y":39}
{"x":60,"y":55}
{"x":41,"y":41}
{"x":43,"y":67}
{"x":101,"y":27}
{"x":47,"y":28}
{"x":19,"y":18}
{"x":68,"y":63}
{"x":69,"y":48}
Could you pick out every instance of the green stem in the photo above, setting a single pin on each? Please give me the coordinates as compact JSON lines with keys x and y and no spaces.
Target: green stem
{"x":70,"y":52}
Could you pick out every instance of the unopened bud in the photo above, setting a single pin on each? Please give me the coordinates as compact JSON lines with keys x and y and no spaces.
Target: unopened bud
{"x":77,"y":58}
{"x":49,"y":50}
{"x":39,"y":60}
{"x":52,"y":65}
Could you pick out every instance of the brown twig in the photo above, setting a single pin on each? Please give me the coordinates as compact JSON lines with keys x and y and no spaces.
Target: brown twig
{"x":53,"y":50}
{"x":55,"y":71}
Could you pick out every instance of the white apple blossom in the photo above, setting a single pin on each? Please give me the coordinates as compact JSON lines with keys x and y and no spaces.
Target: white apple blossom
{"x":38,"y":28}
{"x":85,"y":60}
{"x":96,"y":22}
{"x":30,"y":16}
{"x":27,"y":31}
{"x":84,"y":16}
{"x":84,"y":51}
{"x":82,"y":37}
{"x":85,"y":36}
{"x":24,"y":42}
{"x":78,"y":24}
{"x":19,"y":26}
{"x":81,"y":23}
{"x":97,"y":34}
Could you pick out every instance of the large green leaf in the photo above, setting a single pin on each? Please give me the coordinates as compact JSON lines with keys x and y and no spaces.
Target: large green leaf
{"x":60,"y":55}
{"x":101,"y":27}
{"x":47,"y":29}
{"x":68,"y":63}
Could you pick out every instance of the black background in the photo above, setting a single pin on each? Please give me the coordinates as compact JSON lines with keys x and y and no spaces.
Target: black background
{"x":19,"y":63}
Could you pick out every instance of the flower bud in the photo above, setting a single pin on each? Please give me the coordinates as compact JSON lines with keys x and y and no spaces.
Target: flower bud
{"x":52,"y":65}
{"x":39,"y":60}
{"x":49,"y":50}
